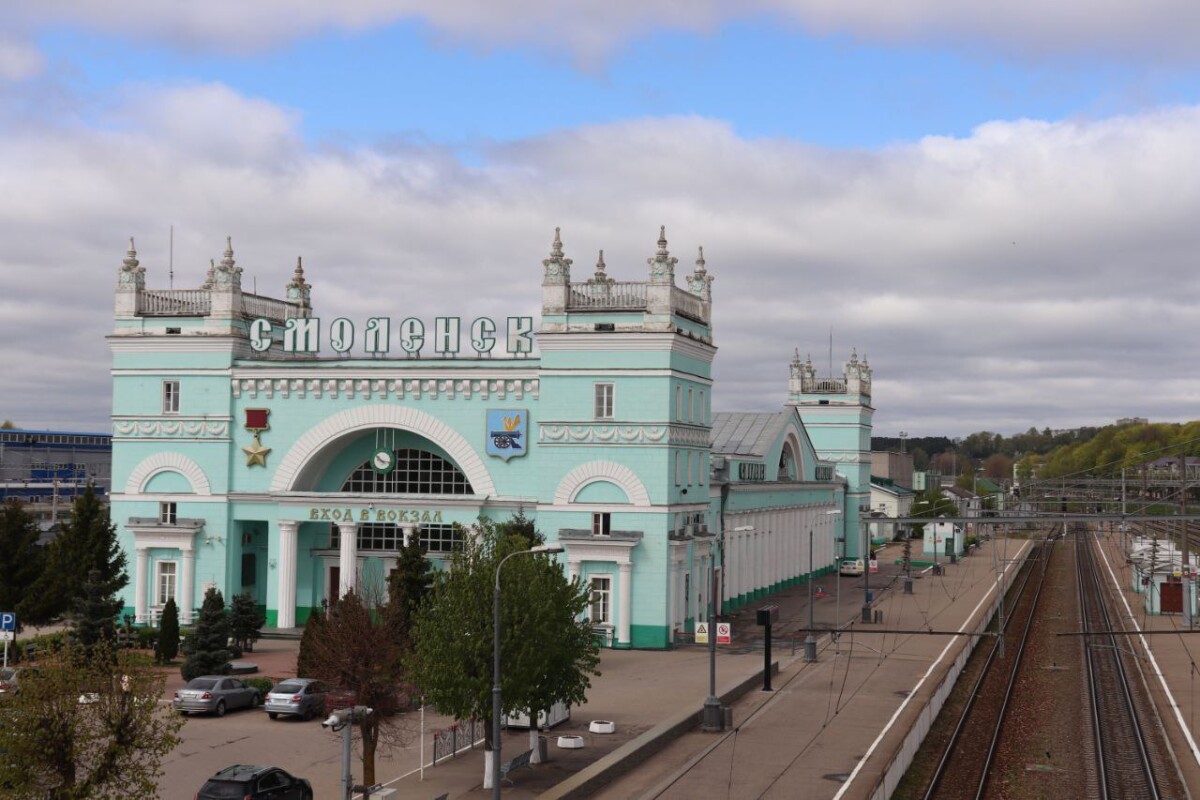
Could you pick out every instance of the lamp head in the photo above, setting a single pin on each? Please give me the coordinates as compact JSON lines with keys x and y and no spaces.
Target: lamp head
{"x":547,"y":548}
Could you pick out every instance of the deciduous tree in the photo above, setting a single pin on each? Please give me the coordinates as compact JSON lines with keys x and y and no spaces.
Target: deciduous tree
{"x":547,"y":651}
{"x":357,"y":651}
{"x":56,"y":747}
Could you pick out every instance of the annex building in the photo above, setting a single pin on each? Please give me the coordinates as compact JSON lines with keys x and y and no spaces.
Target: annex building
{"x":260,"y":448}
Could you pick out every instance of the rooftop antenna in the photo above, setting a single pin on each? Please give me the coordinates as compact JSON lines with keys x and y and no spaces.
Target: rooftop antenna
{"x":830,"y":351}
{"x":171,"y":261}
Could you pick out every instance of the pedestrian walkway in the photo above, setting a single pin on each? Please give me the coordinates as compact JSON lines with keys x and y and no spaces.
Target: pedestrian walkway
{"x":828,"y":729}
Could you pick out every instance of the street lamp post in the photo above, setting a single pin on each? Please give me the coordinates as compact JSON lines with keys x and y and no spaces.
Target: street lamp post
{"x":839,"y":555}
{"x":497,"y":703}
{"x":810,"y":643}
{"x":866,"y":607}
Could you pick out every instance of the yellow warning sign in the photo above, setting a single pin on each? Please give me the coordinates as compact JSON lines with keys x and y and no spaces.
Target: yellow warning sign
{"x":701,"y":633}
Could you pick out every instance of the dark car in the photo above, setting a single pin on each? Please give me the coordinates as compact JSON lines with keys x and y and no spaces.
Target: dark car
{"x":253,"y":782}
{"x":296,"y":697}
{"x":215,"y":693}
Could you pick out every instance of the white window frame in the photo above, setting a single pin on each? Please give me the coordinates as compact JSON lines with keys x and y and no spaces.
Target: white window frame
{"x":170,"y":397}
{"x":601,"y":523}
{"x":168,"y":513}
{"x":604,"y":400}
{"x":606,"y":617}
{"x":159,"y":574}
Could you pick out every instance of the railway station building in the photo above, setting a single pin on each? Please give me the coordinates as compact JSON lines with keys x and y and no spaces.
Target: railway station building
{"x":260,"y":448}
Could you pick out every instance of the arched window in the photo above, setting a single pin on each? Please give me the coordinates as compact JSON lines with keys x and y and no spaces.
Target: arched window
{"x":416,"y":472}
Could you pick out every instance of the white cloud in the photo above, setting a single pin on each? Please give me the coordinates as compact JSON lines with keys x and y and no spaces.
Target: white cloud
{"x":19,"y":60}
{"x":1032,"y":273}
{"x":590,"y":29}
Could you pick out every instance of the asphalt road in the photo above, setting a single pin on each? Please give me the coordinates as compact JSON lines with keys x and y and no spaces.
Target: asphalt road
{"x":304,"y":749}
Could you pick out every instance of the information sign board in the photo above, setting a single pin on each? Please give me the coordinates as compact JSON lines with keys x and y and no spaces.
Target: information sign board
{"x":701,"y":633}
{"x":8,"y":620}
{"x":724,"y":633}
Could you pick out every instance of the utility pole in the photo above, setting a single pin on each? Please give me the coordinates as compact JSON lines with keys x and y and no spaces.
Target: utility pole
{"x":1183,"y":535}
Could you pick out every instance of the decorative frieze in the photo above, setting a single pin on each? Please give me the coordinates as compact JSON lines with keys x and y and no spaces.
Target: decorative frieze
{"x":171,"y":428}
{"x":388,"y":389}
{"x":551,"y":433}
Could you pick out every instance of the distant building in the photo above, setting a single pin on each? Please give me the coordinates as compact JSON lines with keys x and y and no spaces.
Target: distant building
{"x":893,"y":466}
{"x":1133,"y":421}
{"x":47,"y":470}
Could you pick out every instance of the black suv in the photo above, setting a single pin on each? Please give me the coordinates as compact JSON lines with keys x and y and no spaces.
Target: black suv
{"x":246,"y":781}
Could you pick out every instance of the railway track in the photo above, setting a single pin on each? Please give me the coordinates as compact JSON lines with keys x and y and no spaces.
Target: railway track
{"x":965,"y":767}
{"x":1130,"y":761}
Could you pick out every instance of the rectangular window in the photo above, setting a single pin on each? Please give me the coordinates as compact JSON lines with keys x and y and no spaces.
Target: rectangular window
{"x":601,"y":524}
{"x":691,"y":406}
{"x":678,"y":468}
{"x":167,"y":513}
{"x":170,"y":397}
{"x":679,"y":402}
{"x":605,"y":393}
{"x":166,"y":581}
{"x":703,"y":409}
{"x":601,"y":610}
{"x":691,"y":467}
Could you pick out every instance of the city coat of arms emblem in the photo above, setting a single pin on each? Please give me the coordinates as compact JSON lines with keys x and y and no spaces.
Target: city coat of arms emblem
{"x":507,"y":432}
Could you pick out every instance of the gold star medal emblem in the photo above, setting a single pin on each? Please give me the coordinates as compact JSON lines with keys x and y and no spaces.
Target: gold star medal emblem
{"x":256,"y":422}
{"x":256,"y":453}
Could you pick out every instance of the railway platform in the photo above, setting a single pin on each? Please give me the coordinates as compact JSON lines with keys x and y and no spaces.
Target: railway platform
{"x":843,"y":726}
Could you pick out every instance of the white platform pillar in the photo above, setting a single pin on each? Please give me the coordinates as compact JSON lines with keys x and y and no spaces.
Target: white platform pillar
{"x":625,"y":609}
{"x":187,"y":583}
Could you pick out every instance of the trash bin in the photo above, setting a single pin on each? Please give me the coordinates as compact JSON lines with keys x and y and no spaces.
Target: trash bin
{"x":543,"y":749}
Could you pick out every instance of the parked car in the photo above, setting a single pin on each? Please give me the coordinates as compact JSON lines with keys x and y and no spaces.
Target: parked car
{"x":215,"y":693}
{"x":852,"y":566}
{"x":253,"y":782}
{"x":10,"y":679}
{"x":296,"y":697}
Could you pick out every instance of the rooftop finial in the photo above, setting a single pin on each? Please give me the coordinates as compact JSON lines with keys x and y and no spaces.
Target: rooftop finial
{"x":662,"y":264}
{"x":298,"y":290}
{"x":700,"y":261}
{"x":227,"y":262}
{"x":131,"y":260}
{"x":601,"y":276}
{"x":211,"y":277}
{"x":558,"y":266}
{"x":662,"y":242}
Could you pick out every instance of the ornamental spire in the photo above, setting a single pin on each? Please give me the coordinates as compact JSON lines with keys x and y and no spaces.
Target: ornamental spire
{"x":131,"y":276}
{"x":601,"y":276}
{"x":131,"y":260}
{"x":298,"y":290}
{"x":558,"y":266}
{"x":227,"y":262}
{"x":662,"y":264}
{"x":700,"y":270}
{"x":227,"y":274}
{"x":211,"y":278}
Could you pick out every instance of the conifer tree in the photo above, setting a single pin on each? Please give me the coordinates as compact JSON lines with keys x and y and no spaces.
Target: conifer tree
{"x":208,"y":647}
{"x":87,"y":542}
{"x":167,"y":646}
{"x":245,"y":621}
{"x":21,"y":558}
{"x":94,"y":613}
{"x":313,"y":630}
{"x":407,"y":587}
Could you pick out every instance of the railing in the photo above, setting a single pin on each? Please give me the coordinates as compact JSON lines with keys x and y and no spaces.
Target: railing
{"x":255,"y":306}
{"x":174,"y":302}
{"x":462,"y":734}
{"x":621,"y":295}
{"x":826,"y":386}
{"x":685,"y":303}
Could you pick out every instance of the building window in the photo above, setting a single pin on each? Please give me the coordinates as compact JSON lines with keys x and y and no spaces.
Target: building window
{"x":601,"y":609}
{"x":166,"y":582}
{"x":389,"y":537}
{"x":170,"y":397}
{"x":167,"y":513}
{"x":416,"y":472}
{"x":605,"y":393}
{"x":691,"y":457}
{"x":703,"y":409}
{"x":678,"y":468}
{"x":691,"y":406}
{"x":601,"y":524}
{"x":679,"y":402}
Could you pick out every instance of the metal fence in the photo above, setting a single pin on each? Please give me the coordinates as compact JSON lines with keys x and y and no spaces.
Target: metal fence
{"x":462,"y":734}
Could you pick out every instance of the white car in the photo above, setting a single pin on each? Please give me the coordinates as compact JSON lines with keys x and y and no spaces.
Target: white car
{"x":852,"y":566}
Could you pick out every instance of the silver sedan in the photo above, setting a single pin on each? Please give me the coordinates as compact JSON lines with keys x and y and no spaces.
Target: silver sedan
{"x":215,"y":693}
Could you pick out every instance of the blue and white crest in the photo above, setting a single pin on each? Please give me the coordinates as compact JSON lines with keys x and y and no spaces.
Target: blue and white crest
{"x":507,"y":432}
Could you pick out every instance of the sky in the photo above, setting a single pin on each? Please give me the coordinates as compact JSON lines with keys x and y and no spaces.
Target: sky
{"x":998,"y":204}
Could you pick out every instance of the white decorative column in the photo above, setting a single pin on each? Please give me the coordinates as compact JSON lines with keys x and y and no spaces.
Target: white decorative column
{"x":572,"y":569}
{"x":140,"y":581}
{"x":625,"y":609}
{"x":348,"y":557}
{"x":187,"y":583}
{"x":285,"y":578}
{"x":408,"y":533}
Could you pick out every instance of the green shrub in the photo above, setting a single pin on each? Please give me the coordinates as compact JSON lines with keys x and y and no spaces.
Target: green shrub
{"x":263,"y":685}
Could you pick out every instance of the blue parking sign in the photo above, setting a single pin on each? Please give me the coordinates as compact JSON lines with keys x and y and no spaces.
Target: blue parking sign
{"x":8,"y":620}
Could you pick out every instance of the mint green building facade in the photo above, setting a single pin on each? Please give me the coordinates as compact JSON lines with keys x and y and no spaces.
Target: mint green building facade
{"x":260,"y":448}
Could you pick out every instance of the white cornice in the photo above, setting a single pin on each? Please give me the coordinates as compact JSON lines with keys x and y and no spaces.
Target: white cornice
{"x":550,"y":342}
{"x":633,"y":373}
{"x":157,"y":343}
{"x":408,"y":369}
